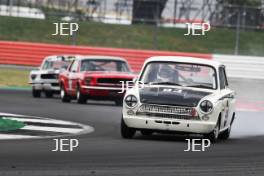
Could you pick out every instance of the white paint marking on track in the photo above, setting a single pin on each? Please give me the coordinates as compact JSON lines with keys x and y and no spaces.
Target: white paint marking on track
{"x":45,"y":121}
{"x":45,"y":125}
{"x":52,"y":129}
{"x":13,"y":136}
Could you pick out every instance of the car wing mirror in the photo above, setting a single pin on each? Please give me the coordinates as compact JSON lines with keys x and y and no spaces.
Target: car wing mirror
{"x":135,"y":79}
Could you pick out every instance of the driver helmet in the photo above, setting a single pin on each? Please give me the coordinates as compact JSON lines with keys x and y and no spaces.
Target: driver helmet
{"x":165,"y":73}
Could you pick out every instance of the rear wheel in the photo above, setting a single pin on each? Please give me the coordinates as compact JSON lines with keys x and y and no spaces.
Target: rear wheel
{"x":48,"y":94}
{"x":81,"y":98}
{"x":64,"y":97}
{"x":126,"y":132}
{"x":36,"y":93}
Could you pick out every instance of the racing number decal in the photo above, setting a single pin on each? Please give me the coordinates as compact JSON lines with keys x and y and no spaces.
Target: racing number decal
{"x":70,"y":84}
{"x":70,"y":81}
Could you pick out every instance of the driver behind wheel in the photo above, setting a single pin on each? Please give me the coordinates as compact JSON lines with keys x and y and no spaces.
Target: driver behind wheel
{"x":167,"y":74}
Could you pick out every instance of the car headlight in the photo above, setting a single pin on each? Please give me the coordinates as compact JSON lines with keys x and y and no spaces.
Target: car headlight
{"x":131,"y":101}
{"x":88,"y":80}
{"x":206,"y":106}
{"x":33,"y":77}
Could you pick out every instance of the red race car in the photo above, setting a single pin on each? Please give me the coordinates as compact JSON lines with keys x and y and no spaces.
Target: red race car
{"x":96,"y":78}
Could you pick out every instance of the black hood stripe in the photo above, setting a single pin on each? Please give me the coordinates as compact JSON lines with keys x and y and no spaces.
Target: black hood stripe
{"x":171,"y":96}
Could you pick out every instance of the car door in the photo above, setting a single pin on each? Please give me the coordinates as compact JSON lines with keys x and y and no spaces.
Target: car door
{"x":227,"y":97}
{"x":73,"y":77}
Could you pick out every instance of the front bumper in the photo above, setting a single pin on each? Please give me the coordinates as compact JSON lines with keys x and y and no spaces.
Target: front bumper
{"x":51,"y":86}
{"x":165,"y":124}
{"x":103,"y":88}
{"x":100,"y":91}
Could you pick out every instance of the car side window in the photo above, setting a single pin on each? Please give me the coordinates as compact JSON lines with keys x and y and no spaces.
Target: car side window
{"x":74,"y":66}
{"x":223,"y":78}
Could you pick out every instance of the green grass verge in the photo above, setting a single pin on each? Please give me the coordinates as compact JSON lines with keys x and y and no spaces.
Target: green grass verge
{"x":14,"y":78}
{"x":220,"y":41}
{"x":10,"y":125}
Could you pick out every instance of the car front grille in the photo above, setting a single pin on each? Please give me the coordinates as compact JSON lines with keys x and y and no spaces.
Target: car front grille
{"x":49,"y":76}
{"x":55,"y":84}
{"x":164,"y":111}
{"x":112,"y":80}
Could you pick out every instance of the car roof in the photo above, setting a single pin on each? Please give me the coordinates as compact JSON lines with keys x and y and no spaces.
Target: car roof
{"x":184,"y":59}
{"x":98,"y":57}
{"x":61,"y":56}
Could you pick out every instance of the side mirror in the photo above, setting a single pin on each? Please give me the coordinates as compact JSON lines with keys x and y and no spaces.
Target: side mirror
{"x":135,"y":79}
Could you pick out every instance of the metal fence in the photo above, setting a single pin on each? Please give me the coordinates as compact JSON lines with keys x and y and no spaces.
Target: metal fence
{"x":168,"y":13}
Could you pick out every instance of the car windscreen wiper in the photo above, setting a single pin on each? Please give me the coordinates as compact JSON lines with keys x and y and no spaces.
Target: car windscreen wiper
{"x":165,"y":83}
{"x":200,"y":86}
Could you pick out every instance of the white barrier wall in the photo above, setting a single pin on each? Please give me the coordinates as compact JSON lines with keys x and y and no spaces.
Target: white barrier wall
{"x":24,"y":12}
{"x":242,"y":66}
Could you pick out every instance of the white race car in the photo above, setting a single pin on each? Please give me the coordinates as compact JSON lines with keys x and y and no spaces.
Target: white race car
{"x":45,"y":79}
{"x":179,"y":95}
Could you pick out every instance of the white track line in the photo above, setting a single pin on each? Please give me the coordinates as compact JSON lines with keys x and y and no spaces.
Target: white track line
{"x":46,"y":121}
{"x":52,"y":129}
{"x":13,"y":136}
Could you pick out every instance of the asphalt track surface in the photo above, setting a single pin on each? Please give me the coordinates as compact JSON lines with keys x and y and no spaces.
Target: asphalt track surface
{"x":104,"y":152}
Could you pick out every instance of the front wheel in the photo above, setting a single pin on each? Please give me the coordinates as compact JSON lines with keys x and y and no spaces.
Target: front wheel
{"x":225,"y":135}
{"x":213,"y":136}
{"x":36,"y":93}
{"x":64,"y":97}
{"x":81,"y":98}
{"x":126,"y":132}
{"x":49,"y":94}
{"x":146,"y":132}
{"x":119,"y":102}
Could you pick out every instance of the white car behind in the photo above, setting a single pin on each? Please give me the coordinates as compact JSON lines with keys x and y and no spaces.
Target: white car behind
{"x":45,"y":79}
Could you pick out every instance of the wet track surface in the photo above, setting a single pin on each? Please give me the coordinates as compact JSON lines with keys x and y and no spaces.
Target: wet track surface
{"x":104,"y":152}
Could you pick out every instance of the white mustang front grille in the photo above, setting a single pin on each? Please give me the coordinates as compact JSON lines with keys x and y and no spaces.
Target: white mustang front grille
{"x":163,"y":111}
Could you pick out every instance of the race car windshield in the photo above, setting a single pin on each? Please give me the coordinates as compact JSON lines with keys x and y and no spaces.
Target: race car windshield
{"x":180,"y":74}
{"x":104,"y":65}
{"x":55,"y":65}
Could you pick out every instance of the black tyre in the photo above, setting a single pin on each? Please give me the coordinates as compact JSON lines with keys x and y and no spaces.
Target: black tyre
{"x":213,"y":136}
{"x":119,"y":102}
{"x":64,"y":97}
{"x":48,"y":94}
{"x":225,"y":134}
{"x":36,"y":93}
{"x":146,"y":132}
{"x":126,"y":132}
{"x":81,"y":98}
